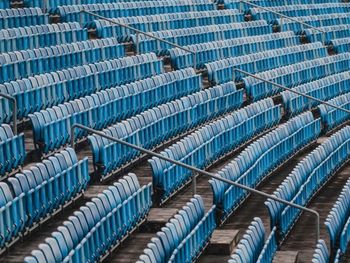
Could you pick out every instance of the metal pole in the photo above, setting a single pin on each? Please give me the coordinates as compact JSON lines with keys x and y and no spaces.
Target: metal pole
{"x":291,"y":90}
{"x":137,"y":31}
{"x":137,"y":43}
{"x":199,"y":171}
{"x":282,"y":15}
{"x":194,"y":183}
{"x":14,"y":111}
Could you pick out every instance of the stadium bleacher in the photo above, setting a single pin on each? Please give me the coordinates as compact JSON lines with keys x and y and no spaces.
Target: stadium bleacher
{"x":65,"y":200}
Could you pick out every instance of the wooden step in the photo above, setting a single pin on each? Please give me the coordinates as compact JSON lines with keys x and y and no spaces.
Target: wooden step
{"x":223,"y":242}
{"x":286,"y":257}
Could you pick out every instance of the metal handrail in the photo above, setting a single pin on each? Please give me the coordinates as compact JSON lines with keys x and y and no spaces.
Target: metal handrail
{"x":284,"y":16}
{"x":293,"y":91}
{"x":14,"y":112}
{"x":142,"y":33}
{"x":199,"y":171}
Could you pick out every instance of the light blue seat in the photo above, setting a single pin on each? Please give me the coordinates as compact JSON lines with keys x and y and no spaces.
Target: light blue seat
{"x":223,"y":70}
{"x":99,"y":225}
{"x":132,"y":8}
{"x":321,"y":254}
{"x":150,"y":128}
{"x":207,"y":144}
{"x":26,"y":63}
{"x":31,"y":37}
{"x":158,"y":22}
{"x":19,"y":17}
{"x":324,"y":89}
{"x":261,"y":157}
{"x":12,"y":150}
{"x":107,"y":107}
{"x":185,"y":235}
{"x":196,"y":35}
{"x":306,"y":178}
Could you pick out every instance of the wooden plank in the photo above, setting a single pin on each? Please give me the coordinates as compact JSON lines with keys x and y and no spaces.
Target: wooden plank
{"x":223,"y":242}
{"x":157,"y":218}
{"x":286,"y":257}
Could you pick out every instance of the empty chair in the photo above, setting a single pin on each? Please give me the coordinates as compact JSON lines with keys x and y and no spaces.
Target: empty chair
{"x":306,"y":179}
{"x":51,"y":127}
{"x":12,"y":150}
{"x":26,"y":63}
{"x":132,"y":8}
{"x":332,"y":117}
{"x":324,"y":89}
{"x":253,"y":247}
{"x":99,"y":225}
{"x":261,"y":157}
{"x":184,"y":237}
{"x":340,"y":45}
{"x":217,"y":50}
{"x":20,"y":17}
{"x":224,"y":70}
{"x":30,"y":37}
{"x":331,"y":32}
{"x":154,"y":126}
{"x":295,"y":74}
{"x":209,"y":143}
{"x":150,"y":23}
{"x":321,"y":254}
{"x":50,"y":89}
{"x":196,"y":35}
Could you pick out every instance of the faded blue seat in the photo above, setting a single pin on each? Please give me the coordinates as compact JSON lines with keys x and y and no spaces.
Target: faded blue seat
{"x":12,"y":150}
{"x":98,"y":225}
{"x":20,"y":17}
{"x":185,"y":235}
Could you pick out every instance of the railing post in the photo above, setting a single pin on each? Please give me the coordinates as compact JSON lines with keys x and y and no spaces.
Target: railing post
{"x":291,"y":90}
{"x":14,"y":110}
{"x":137,"y":43}
{"x":194,"y":183}
{"x":199,"y":171}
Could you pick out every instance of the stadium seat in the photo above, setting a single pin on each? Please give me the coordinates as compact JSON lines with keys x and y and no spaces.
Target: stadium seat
{"x":307,"y":177}
{"x":261,"y":157}
{"x":31,"y":37}
{"x":151,"y":23}
{"x":105,"y":108}
{"x":50,"y":89}
{"x":98,"y":225}
{"x":184,"y":237}
{"x":207,"y":144}
{"x":26,"y":63}
{"x":20,"y":17}
{"x":161,"y":123}
{"x":12,"y":150}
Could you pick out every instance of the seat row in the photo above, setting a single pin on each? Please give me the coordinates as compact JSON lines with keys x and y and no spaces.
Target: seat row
{"x":35,"y":193}
{"x":306,"y":178}
{"x":296,"y":10}
{"x":184,"y":237}
{"x":152,"y":127}
{"x":253,"y":247}
{"x":97,"y":226}
{"x":25,"y":63}
{"x":12,"y":150}
{"x":196,"y":35}
{"x":134,"y":8}
{"x":238,"y":4}
{"x":216,"y":50}
{"x":331,"y":32}
{"x":31,"y":37}
{"x":224,"y":70}
{"x":209,"y":143}
{"x":323,"y":89}
{"x":314,"y":20}
{"x":295,"y":74}
{"x":50,"y":89}
{"x":52,"y":127}
{"x":261,"y":157}
{"x":19,"y":17}
{"x":341,"y":45}
{"x":332,"y":117}
{"x":337,"y":220}
{"x":151,"y":23}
